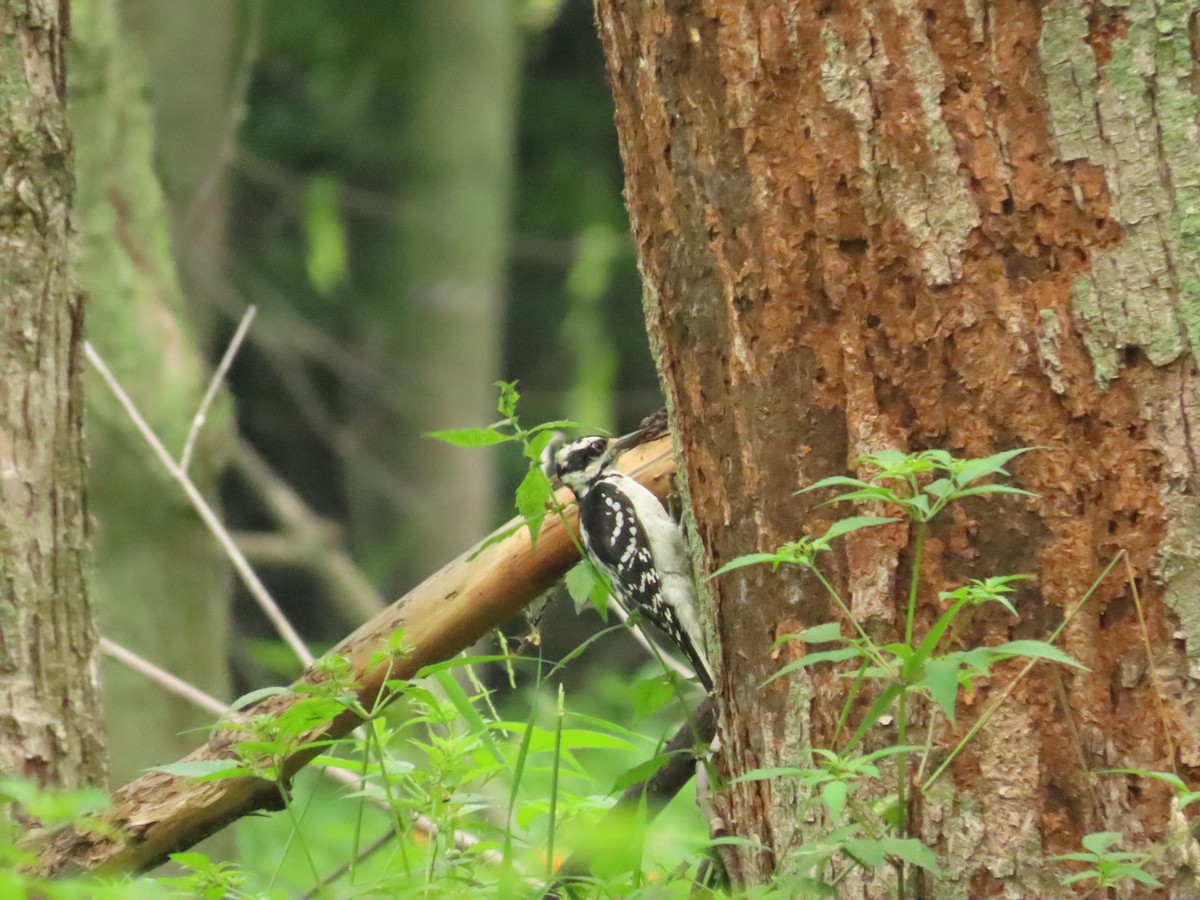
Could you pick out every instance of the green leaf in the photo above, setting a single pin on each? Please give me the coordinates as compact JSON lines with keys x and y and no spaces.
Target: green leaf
{"x":941,"y":488}
{"x":834,"y":481}
{"x":752,"y":559}
{"x":470,"y":437}
{"x":820,"y":634}
{"x":1100,"y":841}
{"x":508,"y":398}
{"x":911,"y":851}
{"x":1143,"y":876}
{"x":1037,"y":650}
{"x":809,"y":659}
{"x":888,"y":459}
{"x":1169,"y":778}
{"x":867,"y":851}
{"x":554,"y":425}
{"x":584,"y":645}
{"x":581,"y":580}
{"x":643,"y":771}
{"x":855,"y":523}
{"x":972,"y":469}
{"x":941,"y":677}
{"x":533,"y":493}
{"x":203,"y":769}
{"x":535,"y":445}
{"x":833,"y":794}
{"x":325,"y":233}
{"x":652,"y":694}
{"x":992,"y":489}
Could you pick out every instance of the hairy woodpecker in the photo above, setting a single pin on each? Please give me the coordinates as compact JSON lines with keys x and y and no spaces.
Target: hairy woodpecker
{"x":631,"y":537}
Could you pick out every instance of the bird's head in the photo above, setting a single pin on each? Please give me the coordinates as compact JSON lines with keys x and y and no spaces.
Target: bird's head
{"x":580,"y":461}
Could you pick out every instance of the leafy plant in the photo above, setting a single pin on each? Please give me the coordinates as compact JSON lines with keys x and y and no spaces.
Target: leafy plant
{"x":916,"y":487}
{"x":1108,"y":866}
{"x":534,"y":495}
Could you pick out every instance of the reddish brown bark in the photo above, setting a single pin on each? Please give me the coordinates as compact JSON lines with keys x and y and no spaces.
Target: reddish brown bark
{"x":857,"y":232}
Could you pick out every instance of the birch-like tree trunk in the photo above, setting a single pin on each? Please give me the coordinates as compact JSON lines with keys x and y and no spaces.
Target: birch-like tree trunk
{"x":50,"y":723}
{"x":971,"y":226}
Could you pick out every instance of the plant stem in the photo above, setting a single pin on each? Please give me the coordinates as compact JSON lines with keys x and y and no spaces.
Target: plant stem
{"x":556,"y":766}
{"x":868,"y":644}
{"x":902,"y":704}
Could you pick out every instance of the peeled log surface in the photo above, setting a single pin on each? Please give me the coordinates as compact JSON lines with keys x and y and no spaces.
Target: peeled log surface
{"x":159,"y":814}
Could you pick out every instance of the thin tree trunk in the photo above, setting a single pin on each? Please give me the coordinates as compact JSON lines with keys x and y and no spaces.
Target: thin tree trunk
{"x":433,"y":281}
{"x":50,"y":725}
{"x":933,"y":224}
{"x":161,"y":583}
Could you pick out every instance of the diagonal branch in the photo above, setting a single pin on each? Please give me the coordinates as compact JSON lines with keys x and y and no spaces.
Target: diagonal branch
{"x":158,"y":814}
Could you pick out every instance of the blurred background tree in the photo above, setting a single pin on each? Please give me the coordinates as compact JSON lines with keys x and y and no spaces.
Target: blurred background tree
{"x":420,"y":198}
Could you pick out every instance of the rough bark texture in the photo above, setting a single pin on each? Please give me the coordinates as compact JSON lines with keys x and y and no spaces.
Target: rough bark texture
{"x":934,"y":224}
{"x":50,"y":727}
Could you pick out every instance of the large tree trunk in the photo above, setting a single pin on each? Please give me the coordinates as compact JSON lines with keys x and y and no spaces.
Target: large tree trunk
{"x":50,"y":726}
{"x":912,"y":225}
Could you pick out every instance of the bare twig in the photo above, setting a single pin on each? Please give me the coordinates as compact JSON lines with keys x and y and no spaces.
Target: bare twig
{"x":308,"y":540}
{"x":164,"y":679}
{"x":214,"y":385}
{"x":257,"y":589}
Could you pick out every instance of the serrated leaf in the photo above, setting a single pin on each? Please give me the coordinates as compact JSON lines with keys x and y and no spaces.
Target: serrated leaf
{"x":752,"y":559}
{"x":1037,"y":650}
{"x":941,"y":488}
{"x":502,"y":535}
{"x":1100,"y":841}
{"x":911,"y":851}
{"x":554,"y":425}
{"x":643,"y":771}
{"x":941,"y":678}
{"x":533,"y":493}
{"x":580,"y":581}
{"x":855,"y":523}
{"x":867,"y":851}
{"x":885,"y":459}
{"x":470,"y":437}
{"x":1144,"y":877}
{"x":535,"y":445}
{"x":972,"y":469}
{"x":833,"y":794}
{"x":509,"y":396}
{"x":652,"y":694}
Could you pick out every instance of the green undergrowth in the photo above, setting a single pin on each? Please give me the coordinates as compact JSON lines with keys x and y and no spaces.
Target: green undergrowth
{"x":457,"y":789}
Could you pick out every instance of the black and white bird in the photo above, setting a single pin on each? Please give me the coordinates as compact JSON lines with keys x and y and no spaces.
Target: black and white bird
{"x":631,"y":537}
